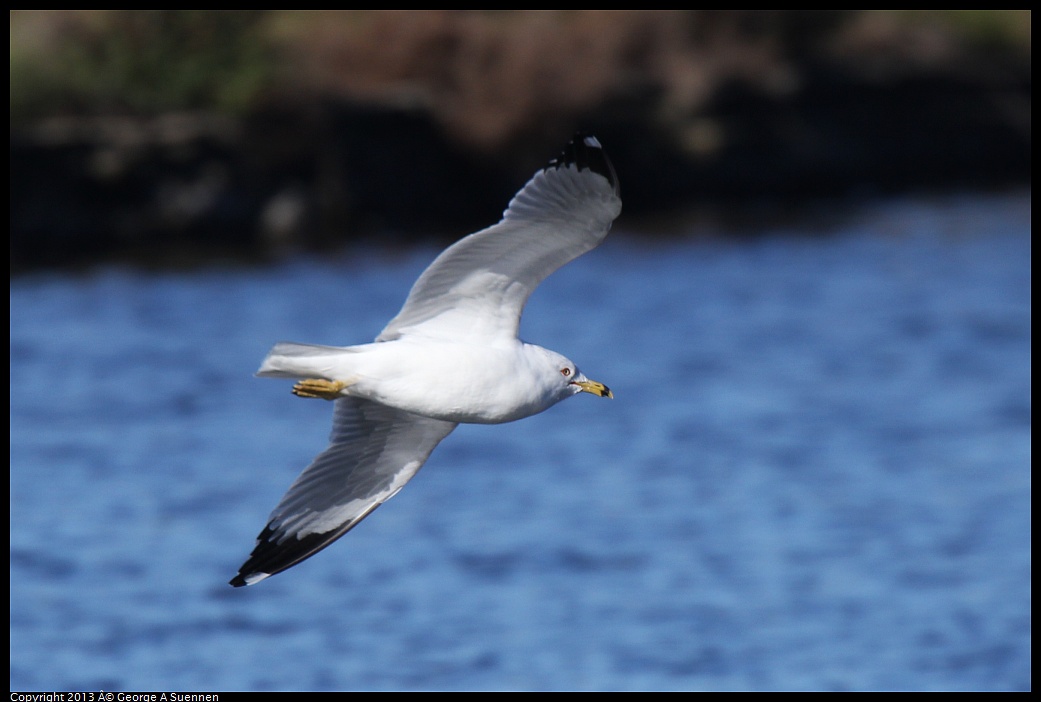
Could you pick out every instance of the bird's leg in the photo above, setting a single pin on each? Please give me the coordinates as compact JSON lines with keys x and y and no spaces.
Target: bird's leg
{"x":318,"y":388}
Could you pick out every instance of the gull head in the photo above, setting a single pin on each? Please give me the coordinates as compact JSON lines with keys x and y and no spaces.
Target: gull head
{"x":567,"y":379}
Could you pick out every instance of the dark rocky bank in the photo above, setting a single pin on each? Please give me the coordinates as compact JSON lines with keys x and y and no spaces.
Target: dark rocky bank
{"x":320,"y":173}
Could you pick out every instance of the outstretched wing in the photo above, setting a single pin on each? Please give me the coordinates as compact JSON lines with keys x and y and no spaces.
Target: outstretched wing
{"x":374,"y":451}
{"x":477,"y":287}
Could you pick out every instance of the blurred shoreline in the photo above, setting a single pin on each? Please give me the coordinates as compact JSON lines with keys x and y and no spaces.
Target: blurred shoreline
{"x":402,"y":126}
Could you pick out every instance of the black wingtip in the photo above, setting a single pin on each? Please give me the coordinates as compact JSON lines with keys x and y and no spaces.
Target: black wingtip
{"x":271,"y":556}
{"x":268,"y":558}
{"x":584,"y":151}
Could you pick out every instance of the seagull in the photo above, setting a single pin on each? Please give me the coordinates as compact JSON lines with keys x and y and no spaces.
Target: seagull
{"x":451,"y":355}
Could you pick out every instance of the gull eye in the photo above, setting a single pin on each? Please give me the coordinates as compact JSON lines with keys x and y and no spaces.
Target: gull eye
{"x":565,"y":371}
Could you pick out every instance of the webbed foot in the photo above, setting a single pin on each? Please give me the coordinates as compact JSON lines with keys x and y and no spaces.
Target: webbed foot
{"x":318,"y":388}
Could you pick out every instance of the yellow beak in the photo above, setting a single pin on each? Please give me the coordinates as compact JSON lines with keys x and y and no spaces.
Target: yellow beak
{"x":595,"y":388}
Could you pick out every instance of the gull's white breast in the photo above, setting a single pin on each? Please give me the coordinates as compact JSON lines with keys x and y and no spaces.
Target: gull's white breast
{"x":453,"y":382}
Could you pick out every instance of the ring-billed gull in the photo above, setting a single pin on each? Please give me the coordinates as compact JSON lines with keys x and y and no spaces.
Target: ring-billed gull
{"x":451,"y":355}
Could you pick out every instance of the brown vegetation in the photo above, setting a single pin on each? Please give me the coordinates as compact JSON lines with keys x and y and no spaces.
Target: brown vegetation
{"x":197,"y":128}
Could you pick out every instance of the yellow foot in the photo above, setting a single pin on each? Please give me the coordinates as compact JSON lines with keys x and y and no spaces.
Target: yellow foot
{"x":315,"y":387}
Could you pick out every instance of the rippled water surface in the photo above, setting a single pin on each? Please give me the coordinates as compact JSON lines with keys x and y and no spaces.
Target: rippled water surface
{"x":815,"y":475}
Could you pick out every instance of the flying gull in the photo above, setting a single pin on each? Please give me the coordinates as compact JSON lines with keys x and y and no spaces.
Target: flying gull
{"x":451,"y":355}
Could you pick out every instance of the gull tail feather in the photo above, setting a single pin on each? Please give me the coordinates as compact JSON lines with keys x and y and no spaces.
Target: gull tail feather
{"x":291,"y":360}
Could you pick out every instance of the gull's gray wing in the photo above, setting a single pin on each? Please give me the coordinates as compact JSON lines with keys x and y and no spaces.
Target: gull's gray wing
{"x":374,"y":451}
{"x":477,"y":287}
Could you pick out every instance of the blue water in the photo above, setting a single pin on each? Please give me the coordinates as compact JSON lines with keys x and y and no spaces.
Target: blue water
{"x":815,"y":474}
